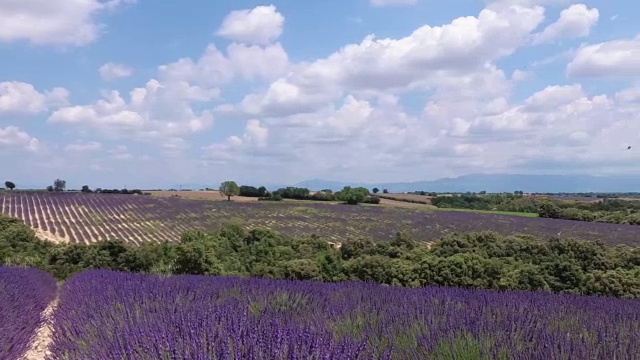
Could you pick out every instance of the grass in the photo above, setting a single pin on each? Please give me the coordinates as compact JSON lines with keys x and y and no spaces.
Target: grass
{"x":496,"y":212}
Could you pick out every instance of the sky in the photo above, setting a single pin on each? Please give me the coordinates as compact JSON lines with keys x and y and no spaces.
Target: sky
{"x":144,"y":93}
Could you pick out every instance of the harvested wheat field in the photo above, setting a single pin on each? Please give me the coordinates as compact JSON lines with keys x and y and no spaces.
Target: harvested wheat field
{"x":200,"y":195}
{"x":423,"y":199}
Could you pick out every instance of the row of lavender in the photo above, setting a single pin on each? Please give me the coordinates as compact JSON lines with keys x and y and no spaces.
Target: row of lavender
{"x":83,"y":218}
{"x":24,"y":294}
{"x":106,"y":315}
{"x":89,"y":218}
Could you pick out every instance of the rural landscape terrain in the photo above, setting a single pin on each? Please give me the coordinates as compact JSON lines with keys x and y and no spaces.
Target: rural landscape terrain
{"x":82,"y":249}
{"x":319,"y":180}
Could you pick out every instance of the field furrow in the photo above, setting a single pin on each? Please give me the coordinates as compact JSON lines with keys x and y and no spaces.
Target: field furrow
{"x":77,"y":217}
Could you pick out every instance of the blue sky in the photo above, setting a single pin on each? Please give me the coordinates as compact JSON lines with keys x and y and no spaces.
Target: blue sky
{"x":149,"y":93}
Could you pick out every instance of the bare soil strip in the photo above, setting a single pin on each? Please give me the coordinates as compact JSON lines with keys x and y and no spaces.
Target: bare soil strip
{"x":39,"y":348}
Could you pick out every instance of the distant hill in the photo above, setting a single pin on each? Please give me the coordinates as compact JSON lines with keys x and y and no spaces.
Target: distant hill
{"x":499,"y":183}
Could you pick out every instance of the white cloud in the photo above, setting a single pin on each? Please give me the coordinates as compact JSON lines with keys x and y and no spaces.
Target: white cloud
{"x":214,"y":68}
{"x":574,"y":22}
{"x":23,"y":98}
{"x":433,"y":103}
{"x":255,"y":137}
{"x":381,"y":3}
{"x":12,"y":137}
{"x":260,"y":25}
{"x":158,"y":111}
{"x":629,"y":95}
{"x":111,"y":71}
{"x":607,"y":59}
{"x":53,"y":22}
{"x":430,"y":57}
{"x":521,"y":75}
{"x":83,"y":147}
{"x":553,"y":96}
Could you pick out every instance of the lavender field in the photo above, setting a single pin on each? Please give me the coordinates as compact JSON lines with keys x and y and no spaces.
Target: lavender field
{"x":24,"y":294}
{"x":106,"y":315}
{"x":87,"y":218}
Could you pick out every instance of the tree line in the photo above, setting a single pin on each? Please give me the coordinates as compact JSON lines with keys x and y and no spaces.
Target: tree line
{"x":475,"y":260}
{"x":607,"y":210}
{"x":349,"y":195}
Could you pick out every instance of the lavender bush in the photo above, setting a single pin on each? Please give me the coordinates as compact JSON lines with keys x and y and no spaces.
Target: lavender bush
{"x":85,"y":218}
{"x":108,"y":315}
{"x":24,"y":294}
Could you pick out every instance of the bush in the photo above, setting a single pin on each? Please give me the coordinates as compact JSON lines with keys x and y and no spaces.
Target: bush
{"x":373,"y":199}
{"x":273,"y":197}
{"x":251,"y":191}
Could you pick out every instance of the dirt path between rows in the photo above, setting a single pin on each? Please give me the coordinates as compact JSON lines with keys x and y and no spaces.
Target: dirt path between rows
{"x":39,"y":347}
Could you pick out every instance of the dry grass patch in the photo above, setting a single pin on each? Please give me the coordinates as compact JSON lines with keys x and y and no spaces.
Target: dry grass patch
{"x":404,"y":204}
{"x":201,"y":195}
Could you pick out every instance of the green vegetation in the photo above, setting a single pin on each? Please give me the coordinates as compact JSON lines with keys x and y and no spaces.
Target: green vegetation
{"x":347,"y":195}
{"x":608,"y":211}
{"x":59,"y":185}
{"x":475,"y":260}
{"x":229,"y":188}
{"x":252,"y":191}
{"x":613,"y":211}
{"x":492,"y":202}
{"x":9,"y":185}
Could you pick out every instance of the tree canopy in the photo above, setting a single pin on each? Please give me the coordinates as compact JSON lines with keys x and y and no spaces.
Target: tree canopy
{"x":475,"y":260}
{"x":59,"y":185}
{"x":229,"y":188}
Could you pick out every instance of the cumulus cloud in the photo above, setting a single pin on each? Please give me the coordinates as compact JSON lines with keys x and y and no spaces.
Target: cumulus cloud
{"x":616,"y":58}
{"x":53,"y":22}
{"x":260,"y":25}
{"x":156,"y":111}
{"x":12,"y":138}
{"x":430,"y":57}
{"x":111,"y":71}
{"x":575,"y":21}
{"x":215,"y":67}
{"x":22,"y":98}
{"x":434,"y":102}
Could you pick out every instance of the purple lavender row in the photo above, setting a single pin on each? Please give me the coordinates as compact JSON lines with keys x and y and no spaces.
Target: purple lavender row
{"x":24,"y":294}
{"x":109,"y":315}
{"x":128,"y":217}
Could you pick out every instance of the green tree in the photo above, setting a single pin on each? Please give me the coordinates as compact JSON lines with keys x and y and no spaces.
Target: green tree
{"x":549,"y":210}
{"x":229,"y":188}
{"x":302,"y":269}
{"x":353,"y":196}
{"x":59,"y":185}
{"x":195,"y":258}
{"x":9,"y":185}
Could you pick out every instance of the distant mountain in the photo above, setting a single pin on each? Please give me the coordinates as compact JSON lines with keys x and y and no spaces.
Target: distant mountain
{"x":499,"y":183}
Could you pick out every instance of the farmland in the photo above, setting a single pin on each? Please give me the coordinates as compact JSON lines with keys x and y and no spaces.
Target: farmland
{"x":90,"y":218}
{"x":105,"y":315}
{"x":24,"y":294}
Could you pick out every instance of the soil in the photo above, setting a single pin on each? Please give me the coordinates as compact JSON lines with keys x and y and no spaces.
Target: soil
{"x":39,"y":348}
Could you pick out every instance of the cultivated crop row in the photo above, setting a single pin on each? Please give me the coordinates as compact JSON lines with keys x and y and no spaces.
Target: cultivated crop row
{"x":86,"y":218}
{"x":24,"y":294}
{"x":107,"y":315}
